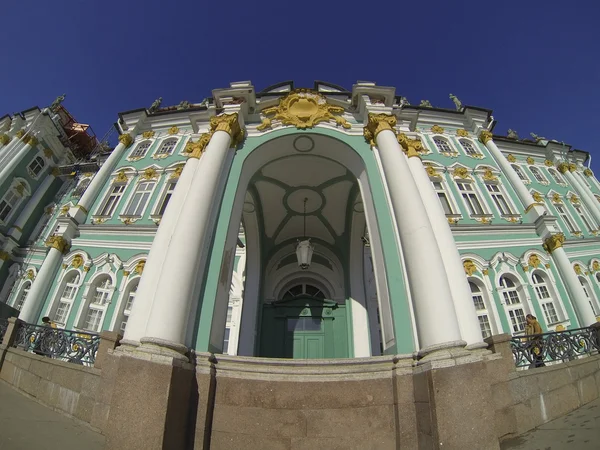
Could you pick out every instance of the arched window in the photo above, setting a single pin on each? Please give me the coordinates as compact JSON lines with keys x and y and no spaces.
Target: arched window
{"x":538,"y":175}
{"x":301,"y":290}
{"x":481,"y":309}
{"x":442,"y":145}
{"x":556,"y":176}
{"x":514,"y":307}
{"x":8,"y":204}
{"x":520,"y":173}
{"x":127,"y":303}
{"x":36,"y":166}
{"x":588,"y":290}
{"x":65,"y":302}
{"x":141,"y":149}
{"x":545,"y":298}
{"x":22,"y":296}
{"x":469,"y":148}
{"x":166,"y":147}
{"x":98,"y":299}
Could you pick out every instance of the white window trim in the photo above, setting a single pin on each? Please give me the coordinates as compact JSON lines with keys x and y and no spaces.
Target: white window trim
{"x":43,"y":169}
{"x":487,"y":212}
{"x":486,"y":301}
{"x":86,"y":299}
{"x":543,"y":175}
{"x":20,"y":292}
{"x":585,"y":213}
{"x":117,"y":317}
{"x":453,"y":151}
{"x":161,"y":197}
{"x":591,"y":293}
{"x":569,"y":216}
{"x":554,"y":299}
{"x":440,"y":178}
{"x":527,"y":180}
{"x":521,"y":292}
{"x":559,"y":176}
{"x":136,"y":146}
{"x":156,"y":155}
{"x":59,"y":292}
{"x":132,"y":193}
{"x":13,"y":189}
{"x":478,"y":155}
{"x":514,"y":211}
{"x":107,"y":193}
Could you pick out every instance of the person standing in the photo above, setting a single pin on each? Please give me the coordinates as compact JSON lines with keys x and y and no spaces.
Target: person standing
{"x":533,"y":331}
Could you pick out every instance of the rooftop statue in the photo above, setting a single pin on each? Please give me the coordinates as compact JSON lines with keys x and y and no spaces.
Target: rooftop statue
{"x":425,"y":103}
{"x":456,"y":101}
{"x":512,"y":134}
{"x":56,"y":103}
{"x":155,"y":105}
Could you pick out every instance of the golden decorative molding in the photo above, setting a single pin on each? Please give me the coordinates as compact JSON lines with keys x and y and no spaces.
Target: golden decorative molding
{"x":98,"y":220}
{"x":30,"y":274}
{"x":553,"y":242}
{"x":511,"y":158}
{"x":230,"y":124}
{"x":453,"y":220}
{"x":485,"y":271}
{"x":77,"y":261}
{"x":537,"y":197}
{"x":596,"y":266}
{"x":173,"y":130}
{"x":4,"y":139}
{"x":588,"y":173}
{"x":64,"y":266}
{"x":148,"y":134}
{"x":470,"y":267}
{"x":64,"y":210}
{"x":461,"y":172}
{"x":195,"y":149}
{"x":577,"y":233}
{"x":547,"y":266}
{"x":530,"y":160}
{"x":59,"y":243}
{"x":139,"y":267}
{"x":126,"y":273}
{"x":125,"y":139}
{"x":437,"y":129}
{"x":176,"y":173}
{"x":572,"y":167}
{"x":55,"y":172}
{"x":86,"y":268}
{"x":431,"y":171}
{"x":548,"y":163}
{"x":534,"y":260}
{"x":48,"y":152}
{"x":20,"y":188}
{"x":32,"y":141}
{"x":376,"y":124}
{"x":488,"y":175}
{"x":149,"y":174}
{"x":577,"y":269}
{"x":462,"y":133}
{"x":485,"y":136}
{"x":4,"y":256}
{"x":563,"y":167}
{"x":19,"y":134}
{"x":412,"y":147}
{"x":556,"y":198}
{"x":525,"y":268}
{"x":303,"y":109}
{"x":574,"y":199}
{"x":486,"y":220}
{"x":121,"y":177}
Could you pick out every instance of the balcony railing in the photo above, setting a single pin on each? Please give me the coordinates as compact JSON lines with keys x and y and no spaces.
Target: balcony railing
{"x":536,"y":350}
{"x":64,"y":345}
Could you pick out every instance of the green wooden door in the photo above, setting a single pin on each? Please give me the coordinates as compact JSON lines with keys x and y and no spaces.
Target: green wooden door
{"x":307,"y":335}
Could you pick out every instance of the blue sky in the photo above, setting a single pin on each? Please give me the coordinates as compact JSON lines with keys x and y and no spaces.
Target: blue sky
{"x":534,"y":63}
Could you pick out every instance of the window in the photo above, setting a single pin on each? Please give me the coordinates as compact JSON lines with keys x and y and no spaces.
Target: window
{"x":80,"y":189}
{"x":140,"y":198}
{"x":167,"y":196}
{"x":538,"y":175}
{"x":498,"y":198}
{"x":166,"y":147}
{"x":520,"y":173}
{"x":301,"y":290}
{"x":113,"y":199}
{"x":442,"y":145}
{"x":127,"y":308}
{"x":20,"y":301}
{"x":562,"y":212}
{"x":99,"y":295}
{"x":140,"y":151}
{"x":543,"y":294}
{"x":583,"y":216}
{"x":555,"y":175}
{"x":226,"y":341}
{"x":443,"y":196}
{"x":470,"y":197}
{"x":469,"y":148}
{"x":482,"y":314}
{"x":229,"y":313}
{"x":514,"y":307}
{"x":586,"y":290}
{"x":36,"y":166}
{"x":8,"y":203}
{"x":66,"y":299}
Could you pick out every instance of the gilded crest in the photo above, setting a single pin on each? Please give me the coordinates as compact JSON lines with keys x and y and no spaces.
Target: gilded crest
{"x":470,"y":267}
{"x":148,"y":134}
{"x":461,"y":172}
{"x":431,"y":171}
{"x":173,"y":130}
{"x":549,"y":163}
{"x":121,"y":177}
{"x":511,"y":158}
{"x":595,"y":266}
{"x":149,"y":174}
{"x":177,"y":172}
{"x":125,"y":139}
{"x":437,"y":129}
{"x":139,"y":267}
{"x":574,"y":199}
{"x":588,"y":173}
{"x":530,"y":160}
{"x":537,"y":197}
{"x":556,"y":198}
{"x":77,"y":261}
{"x":488,"y":175}
{"x":462,"y":133}
{"x":303,"y":109}
{"x":534,"y":260}
{"x":577,"y":269}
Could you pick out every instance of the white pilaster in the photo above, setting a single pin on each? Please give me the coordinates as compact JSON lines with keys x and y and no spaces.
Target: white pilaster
{"x":590,"y":202}
{"x":169,"y":314}
{"x":459,"y":286}
{"x":17,"y":155}
{"x":437,"y":324}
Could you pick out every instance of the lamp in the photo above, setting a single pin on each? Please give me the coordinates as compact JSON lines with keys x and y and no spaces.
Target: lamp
{"x":304,"y":249}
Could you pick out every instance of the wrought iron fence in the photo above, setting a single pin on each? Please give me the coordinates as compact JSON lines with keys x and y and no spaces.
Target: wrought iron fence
{"x":65,"y":345}
{"x":536,"y":350}
{"x":3,"y":327}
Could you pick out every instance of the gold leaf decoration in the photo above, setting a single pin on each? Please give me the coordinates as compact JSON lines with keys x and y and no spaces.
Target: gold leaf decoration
{"x":461,"y":172}
{"x":548,"y":163}
{"x":488,"y":175}
{"x":148,"y":134}
{"x":58,"y":242}
{"x":556,"y":198}
{"x":177,"y":172}
{"x":195,"y":149}
{"x":125,"y":139}
{"x":121,"y":177}
{"x":595,"y":266}
{"x":588,"y":173}
{"x":437,"y":129}
{"x":530,"y":160}
{"x":4,"y":139}
{"x":376,"y":124}
{"x":534,"y":260}
{"x":574,"y":199}
{"x":77,"y":261}
{"x":173,"y":130}
{"x":553,"y":242}
{"x":485,"y":136}
{"x":149,"y":174}
{"x":537,"y":197}
{"x":572,"y":167}
{"x":577,"y":269}
{"x":462,"y":133}
{"x":412,"y":147}
{"x":139,"y":267}
{"x":431,"y":171}
{"x":470,"y":267}
{"x":511,"y":158}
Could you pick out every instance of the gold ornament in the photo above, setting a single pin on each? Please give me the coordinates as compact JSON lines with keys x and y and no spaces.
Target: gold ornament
{"x":462,"y":133}
{"x":511,"y":158}
{"x":48,"y":152}
{"x":470,"y":267}
{"x":563,"y":167}
{"x":55,"y":172}
{"x":33,"y":141}
{"x":176,"y":173}
{"x":530,"y":160}
{"x":553,"y":242}
{"x":19,"y":134}
{"x":86,"y":269}
{"x":595,"y":266}
{"x":485,"y":136}
{"x":230,"y":124}
{"x":525,"y":268}
{"x":574,"y":199}
{"x":548,"y":163}
{"x":303,"y":109}
{"x":121,"y":177}
{"x":486,"y":220}
{"x":4,"y":139}
{"x":577,"y":269}
{"x":125,"y":139}
{"x":139,"y":267}
{"x":4,"y":256}
{"x":588,"y":173}
{"x":64,"y":266}
{"x":58,"y":242}
{"x":64,"y":210}
{"x":20,"y":188}
{"x":537,"y":197}
{"x":547,"y":266}
{"x":461,"y":172}
{"x":437,"y":129}
{"x":126,"y":273}
{"x":534,"y":260}
{"x":148,"y":134}
{"x":556,"y":198}
{"x":412,"y":147}
{"x":77,"y":261}
{"x":452,"y":220}
{"x":149,"y":174}
{"x":488,"y":175}
{"x":572,"y":167}
{"x":577,"y":233}
{"x":431,"y":171}
{"x":173,"y":130}
{"x":376,"y":124}
{"x":195,"y":149}
{"x":30,"y":274}
{"x":485,"y":272}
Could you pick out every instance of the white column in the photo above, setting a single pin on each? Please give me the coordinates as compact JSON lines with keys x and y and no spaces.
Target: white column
{"x":173,"y":298}
{"x":590,"y":202}
{"x":18,"y":153}
{"x":32,"y":204}
{"x":41,"y":285}
{"x":578,"y":298}
{"x":437,"y":324}
{"x":80,"y":211}
{"x":8,"y":150}
{"x":144,"y":297}
{"x":4,"y":256}
{"x":459,"y":286}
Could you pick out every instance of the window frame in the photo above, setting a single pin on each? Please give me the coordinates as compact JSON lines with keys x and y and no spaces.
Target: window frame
{"x":22,"y":294}
{"x":534,"y":170}
{"x":451,"y":150}
{"x":477,"y":154}
{"x":584,"y":215}
{"x":134,"y":156}
{"x":90,"y":304}
{"x":500,"y":194}
{"x":557,"y":177}
{"x":538,"y":288}
{"x":485,"y":211}
{"x":509,"y":307}
{"x":114,"y":185}
{"x":589,"y":292}
{"x":35,"y":175}
{"x":159,"y":154}
{"x":125,"y":210}
{"x":15,"y":195}
{"x":486,"y":310}
{"x":68,"y":301}
{"x":566,"y":217}
{"x":521,"y":173}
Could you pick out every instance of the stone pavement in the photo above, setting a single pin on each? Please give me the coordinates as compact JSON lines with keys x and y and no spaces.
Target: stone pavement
{"x":27,"y":425}
{"x":578,"y":430}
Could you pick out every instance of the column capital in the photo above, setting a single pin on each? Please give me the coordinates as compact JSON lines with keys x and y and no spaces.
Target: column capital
{"x":4,"y":256}
{"x":59,"y":243}
{"x":563,"y":167}
{"x":485,"y":136}
{"x":588,"y":173}
{"x":195,"y":149}
{"x":125,"y":139}
{"x":553,"y":242}
{"x":230,"y":124}
{"x":572,"y":167}
{"x":4,"y":139}
{"x":376,"y":124}
{"x":412,"y":147}
{"x":31,"y":140}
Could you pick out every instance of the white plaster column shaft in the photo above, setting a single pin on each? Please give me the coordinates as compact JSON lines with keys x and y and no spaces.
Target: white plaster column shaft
{"x":584,"y":312}
{"x":435,"y":315}
{"x":19,"y":152}
{"x":144,"y":297}
{"x":32,"y":204}
{"x":592,"y":205}
{"x":170,"y":310}
{"x":41,"y":285}
{"x":459,"y":286}
{"x":9,"y":150}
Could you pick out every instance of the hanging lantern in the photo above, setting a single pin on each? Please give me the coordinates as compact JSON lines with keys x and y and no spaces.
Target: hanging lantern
{"x":304,"y":249}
